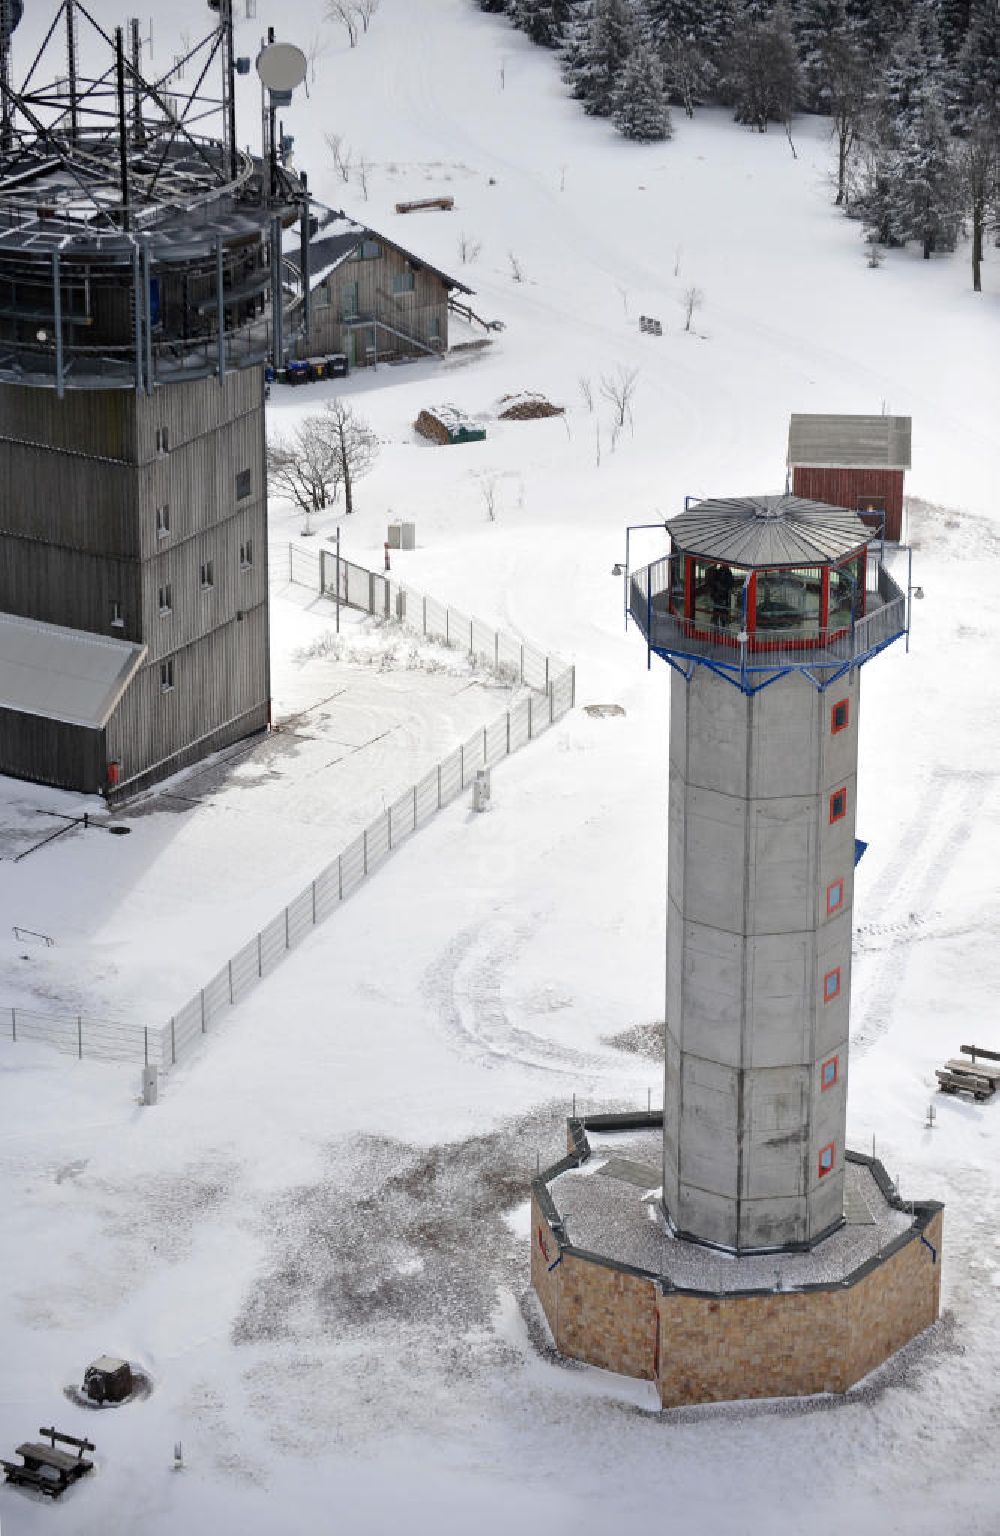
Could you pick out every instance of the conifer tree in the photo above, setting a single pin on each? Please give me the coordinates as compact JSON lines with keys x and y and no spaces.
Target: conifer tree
{"x":639,"y":107}
{"x":598,"y":52}
{"x":761,"y":71}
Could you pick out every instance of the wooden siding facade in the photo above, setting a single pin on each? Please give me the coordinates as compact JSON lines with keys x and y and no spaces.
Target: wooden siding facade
{"x":858,"y":489}
{"x":145,"y":518}
{"x":366,"y":309}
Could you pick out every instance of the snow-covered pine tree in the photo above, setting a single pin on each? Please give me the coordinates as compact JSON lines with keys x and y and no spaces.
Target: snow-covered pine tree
{"x":597,"y":52}
{"x":978,"y":104}
{"x":762,"y":78}
{"x":544,"y":21}
{"x":640,"y":109}
{"x":926,"y":192}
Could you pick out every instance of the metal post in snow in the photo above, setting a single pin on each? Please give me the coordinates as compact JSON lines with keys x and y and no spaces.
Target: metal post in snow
{"x":79,"y":1036}
{"x":173,"y":1044}
{"x":425,"y":615}
{"x":522,"y":663}
{"x":447,"y":626}
{"x":203,"y":1010}
{"x":290,"y":576}
{"x":13,"y":1023}
{"x":496,"y":650}
{"x":230,"y":982}
{"x":508,"y":733}
{"x":472,"y":648}
{"x":145,"y":1046}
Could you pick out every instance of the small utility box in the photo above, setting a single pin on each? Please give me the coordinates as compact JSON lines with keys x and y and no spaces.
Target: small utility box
{"x":150,"y":1084}
{"x":407,"y":535}
{"x":108,"y":1380}
{"x":394,"y":534}
{"x":481,"y":790}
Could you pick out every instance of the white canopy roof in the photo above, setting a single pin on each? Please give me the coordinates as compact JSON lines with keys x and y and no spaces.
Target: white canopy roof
{"x":63,"y":674}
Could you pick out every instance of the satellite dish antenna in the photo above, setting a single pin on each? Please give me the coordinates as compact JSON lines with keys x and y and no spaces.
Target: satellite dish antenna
{"x":281,"y":67}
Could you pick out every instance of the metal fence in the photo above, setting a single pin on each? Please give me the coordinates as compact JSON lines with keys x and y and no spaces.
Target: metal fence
{"x":383,"y":597}
{"x":164,"y":1045}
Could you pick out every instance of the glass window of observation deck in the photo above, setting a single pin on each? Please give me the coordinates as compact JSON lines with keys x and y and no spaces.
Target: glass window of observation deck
{"x":846,"y":594}
{"x":789,"y":601}
{"x":717,"y":595}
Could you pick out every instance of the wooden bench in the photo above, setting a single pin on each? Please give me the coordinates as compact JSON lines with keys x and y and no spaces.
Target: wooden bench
{"x":44,"y":1467}
{"x":445,"y":204}
{"x":989,"y":1070}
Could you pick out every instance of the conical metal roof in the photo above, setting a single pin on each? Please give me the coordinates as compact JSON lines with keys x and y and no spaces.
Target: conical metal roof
{"x":756,"y":531}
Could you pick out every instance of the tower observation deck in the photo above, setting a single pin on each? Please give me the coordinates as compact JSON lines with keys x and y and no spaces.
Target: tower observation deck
{"x":765,"y":608}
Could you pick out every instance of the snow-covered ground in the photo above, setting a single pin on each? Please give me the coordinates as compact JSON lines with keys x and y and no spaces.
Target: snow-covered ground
{"x":315,"y":1243}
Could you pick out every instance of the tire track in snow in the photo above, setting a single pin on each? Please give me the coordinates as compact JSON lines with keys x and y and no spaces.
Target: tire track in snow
{"x":949,"y":805}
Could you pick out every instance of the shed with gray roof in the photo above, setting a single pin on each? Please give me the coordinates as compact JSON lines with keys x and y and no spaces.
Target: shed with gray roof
{"x":856,"y":462}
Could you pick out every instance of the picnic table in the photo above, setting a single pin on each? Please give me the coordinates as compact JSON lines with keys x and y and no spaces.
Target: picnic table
{"x":976,"y":1071}
{"x":46,"y":1468}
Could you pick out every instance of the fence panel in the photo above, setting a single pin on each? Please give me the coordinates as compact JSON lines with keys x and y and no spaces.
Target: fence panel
{"x":271,"y":945}
{"x":327,"y":890}
{"x":299,"y":917}
{"x":187,"y":1026}
{"x":217,"y":994}
{"x":510,"y":653}
{"x":536,"y":668}
{"x":495,"y":741}
{"x":377,"y":842}
{"x":562,"y":691}
{"x":243,"y":970}
{"x":484,"y":642}
{"x":303,"y":566}
{"x":520,"y":727}
{"x":427,"y":797}
{"x":357,"y":589}
{"x":435,"y":618}
{"x":352,"y":862}
{"x":451,"y":777}
{"x":472,"y":758}
{"x":402,"y":818}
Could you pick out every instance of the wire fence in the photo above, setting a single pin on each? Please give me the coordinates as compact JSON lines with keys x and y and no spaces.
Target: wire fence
{"x":554,"y":694}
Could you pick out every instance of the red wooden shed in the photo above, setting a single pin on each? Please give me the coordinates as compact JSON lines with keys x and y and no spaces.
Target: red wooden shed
{"x":852,"y":461}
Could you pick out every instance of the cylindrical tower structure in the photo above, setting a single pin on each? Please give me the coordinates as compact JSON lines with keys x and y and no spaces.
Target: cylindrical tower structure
{"x":765,"y":608}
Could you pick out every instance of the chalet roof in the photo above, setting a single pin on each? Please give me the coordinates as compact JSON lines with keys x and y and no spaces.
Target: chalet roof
{"x":756,"y":531}
{"x":63,"y":674}
{"x":336,"y":241}
{"x":849,"y":442}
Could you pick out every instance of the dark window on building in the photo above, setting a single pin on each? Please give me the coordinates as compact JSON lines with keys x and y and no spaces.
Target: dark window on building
{"x":404,"y":282}
{"x":370,"y":250}
{"x":829,"y":1072}
{"x":244,"y":484}
{"x":874,"y":504}
{"x":166,"y":602}
{"x":838,"y":805}
{"x":162,"y":440}
{"x":840,"y":714}
{"x":167,"y":675}
{"x":827,"y":1159}
{"x":207,"y":575}
{"x":246,"y":554}
{"x":162,"y":521}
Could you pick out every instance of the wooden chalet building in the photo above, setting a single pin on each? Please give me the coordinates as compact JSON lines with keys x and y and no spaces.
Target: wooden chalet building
{"x":369,"y":298}
{"x":856,"y":462}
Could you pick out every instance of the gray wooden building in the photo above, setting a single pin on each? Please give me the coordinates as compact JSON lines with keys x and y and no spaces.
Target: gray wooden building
{"x":137,"y":301}
{"x":370,"y":298}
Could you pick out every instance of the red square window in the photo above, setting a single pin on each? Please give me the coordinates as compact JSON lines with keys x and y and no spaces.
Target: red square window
{"x":831,"y":985}
{"x":840,"y":715}
{"x":827,"y":1158}
{"x":829,"y":1072}
{"x":834,"y":896}
{"x":838,"y":805}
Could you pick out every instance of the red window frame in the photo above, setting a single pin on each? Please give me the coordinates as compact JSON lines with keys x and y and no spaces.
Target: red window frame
{"x":835,"y":726}
{"x":827,"y":1160}
{"x":834,"y":896}
{"x":829,"y":1073}
{"x":831,"y":985}
{"x":542,"y":1245}
{"x":839,"y":797}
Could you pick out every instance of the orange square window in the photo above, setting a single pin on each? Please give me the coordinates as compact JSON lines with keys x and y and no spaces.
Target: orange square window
{"x":840,"y":715}
{"x":838,"y":804}
{"x":827,"y":1159}
{"x":829,"y":1073}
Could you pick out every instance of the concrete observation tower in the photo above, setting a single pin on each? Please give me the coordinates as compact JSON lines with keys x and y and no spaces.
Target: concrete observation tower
{"x":777,"y":1261}
{"x":141,"y":290}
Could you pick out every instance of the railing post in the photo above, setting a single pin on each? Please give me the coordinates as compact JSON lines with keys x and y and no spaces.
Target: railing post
{"x":508,"y":733}
{"x":230,"y":983}
{"x":546,"y":674}
{"x":472,"y":647}
{"x":173,"y":1044}
{"x":260,"y":954}
{"x":496,"y":650}
{"x":447,"y":625}
{"x":13,"y":1023}
{"x":79,"y":1036}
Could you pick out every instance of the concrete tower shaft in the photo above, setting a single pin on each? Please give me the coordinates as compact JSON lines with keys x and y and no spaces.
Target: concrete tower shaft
{"x":760,"y":876}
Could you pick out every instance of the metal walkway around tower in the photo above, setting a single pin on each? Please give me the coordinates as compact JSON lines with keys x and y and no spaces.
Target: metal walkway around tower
{"x":688,"y":643}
